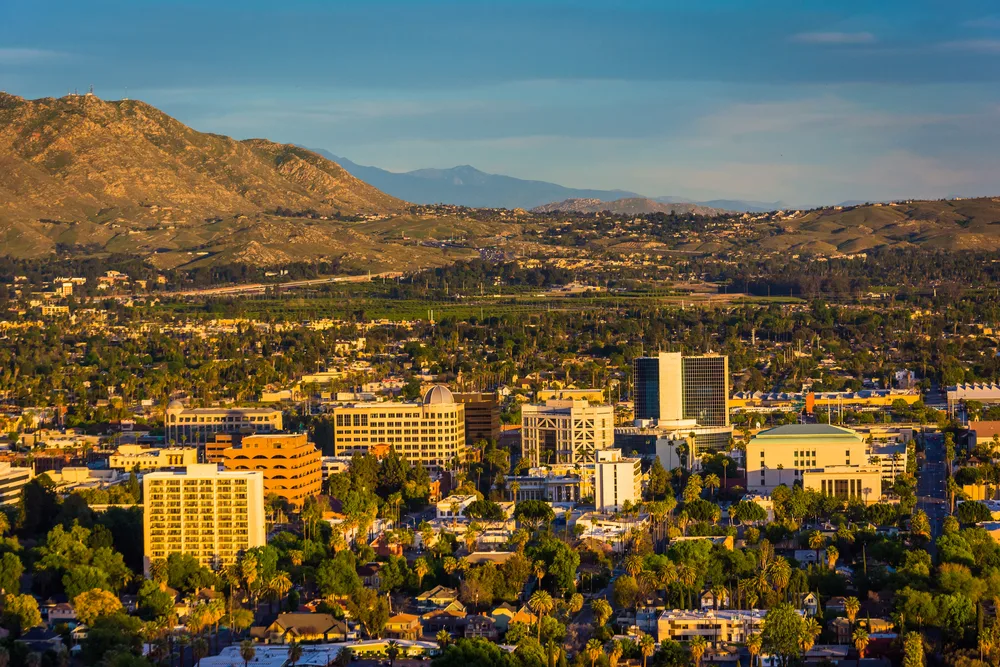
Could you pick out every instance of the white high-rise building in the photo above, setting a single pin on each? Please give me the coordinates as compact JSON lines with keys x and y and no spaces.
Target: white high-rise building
{"x":566,"y":432}
{"x":617,"y":479}
{"x":209,"y":513}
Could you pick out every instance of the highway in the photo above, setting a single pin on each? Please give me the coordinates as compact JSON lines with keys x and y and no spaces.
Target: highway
{"x":261,"y":288}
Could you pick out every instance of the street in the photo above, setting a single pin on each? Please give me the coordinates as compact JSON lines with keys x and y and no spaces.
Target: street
{"x":932,"y":494}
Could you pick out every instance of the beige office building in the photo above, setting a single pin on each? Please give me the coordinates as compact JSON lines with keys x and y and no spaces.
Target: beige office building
{"x":781,"y":455}
{"x":139,"y":457}
{"x":847,"y":483}
{"x":617,"y":479}
{"x":203,"y":511}
{"x":432,"y":431}
{"x":566,"y":432}
{"x":12,"y":481}
{"x":199,"y":424}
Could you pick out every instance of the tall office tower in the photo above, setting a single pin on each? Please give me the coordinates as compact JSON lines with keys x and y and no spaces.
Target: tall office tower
{"x":705,"y":382}
{"x":670,"y":388}
{"x":212,"y":514}
{"x":616,"y":480}
{"x":482,"y":416}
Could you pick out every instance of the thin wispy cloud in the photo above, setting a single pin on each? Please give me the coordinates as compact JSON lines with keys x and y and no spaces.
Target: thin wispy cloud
{"x":834,"y":38}
{"x":984,"y":46}
{"x":22,"y":56}
{"x":986,"y":22}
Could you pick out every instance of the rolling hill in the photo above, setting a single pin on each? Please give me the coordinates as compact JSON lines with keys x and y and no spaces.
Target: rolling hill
{"x":625,"y":206}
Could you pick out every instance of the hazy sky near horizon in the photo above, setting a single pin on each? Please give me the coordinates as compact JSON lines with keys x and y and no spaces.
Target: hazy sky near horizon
{"x":807,"y":102}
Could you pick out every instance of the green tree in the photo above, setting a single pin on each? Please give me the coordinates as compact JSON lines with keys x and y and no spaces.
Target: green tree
{"x":92,"y":604}
{"x":782,"y":628}
{"x":20,"y":613}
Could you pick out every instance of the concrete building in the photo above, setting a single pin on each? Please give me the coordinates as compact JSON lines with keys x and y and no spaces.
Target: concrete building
{"x":673,"y":388}
{"x":617,"y":480}
{"x":592,"y":395}
{"x":890,"y":458}
{"x":290,"y":464}
{"x":12,"y":480}
{"x":198,"y":424}
{"x":216,"y":445}
{"x":211,"y":514}
{"x":780,"y":455}
{"x":847,"y":483}
{"x":565,"y":432}
{"x":958,"y":395}
{"x":453,"y":507}
{"x":562,"y":484}
{"x":431,"y":432}
{"x":132,"y":457}
{"x":482,"y":417}
{"x":725,"y":626}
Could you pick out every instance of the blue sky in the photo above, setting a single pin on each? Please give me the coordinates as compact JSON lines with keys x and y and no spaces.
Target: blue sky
{"x":808,"y":102}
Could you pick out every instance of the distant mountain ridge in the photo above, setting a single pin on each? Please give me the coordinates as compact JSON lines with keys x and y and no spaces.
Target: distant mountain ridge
{"x":467,"y":186}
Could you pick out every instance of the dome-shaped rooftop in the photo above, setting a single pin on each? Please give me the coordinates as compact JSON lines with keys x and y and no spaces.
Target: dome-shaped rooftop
{"x":175,"y":405}
{"x":437,"y":395}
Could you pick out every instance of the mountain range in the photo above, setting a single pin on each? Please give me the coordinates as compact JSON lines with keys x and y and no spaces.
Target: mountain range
{"x":468,"y":186}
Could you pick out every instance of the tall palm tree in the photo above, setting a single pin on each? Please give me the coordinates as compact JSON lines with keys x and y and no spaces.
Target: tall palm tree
{"x":278,"y":586}
{"x":539,"y":570}
{"x":754,"y":645}
{"x":421,"y":569}
{"x":633,"y":564}
{"x":816,"y":542}
{"x":392,"y":652}
{"x":443,"y":638}
{"x":712,"y":482}
{"x":781,"y":574}
{"x":852,"y":606}
{"x":647,"y":645}
{"x":832,"y":554}
{"x":199,"y":649}
{"x":594,"y":650}
{"x":698,"y":645}
{"x":541,"y":603}
{"x":860,"y":640}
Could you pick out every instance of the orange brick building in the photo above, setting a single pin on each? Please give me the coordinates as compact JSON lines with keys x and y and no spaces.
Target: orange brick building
{"x":291,"y":464}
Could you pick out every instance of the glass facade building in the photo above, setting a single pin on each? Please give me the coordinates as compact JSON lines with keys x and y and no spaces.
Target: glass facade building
{"x":646,"y":383}
{"x":705,"y":385}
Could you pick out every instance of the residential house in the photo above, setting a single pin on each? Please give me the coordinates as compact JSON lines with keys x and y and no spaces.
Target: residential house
{"x":809,"y":603}
{"x":837,"y":604}
{"x":711,"y":600}
{"x":403,"y":626}
{"x":481,"y":626}
{"x":449,"y":618}
{"x":303,"y":627}
{"x":502,"y":616}
{"x":62,"y":612}
{"x":437,"y":598}
{"x":369,"y":575}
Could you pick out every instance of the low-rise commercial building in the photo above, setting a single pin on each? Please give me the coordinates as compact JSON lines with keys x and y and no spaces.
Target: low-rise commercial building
{"x":290,"y":464}
{"x":211,"y":514}
{"x":198,"y":424}
{"x":140,"y":457}
{"x":724,"y":626}
{"x":561,"y":484}
{"x":12,"y":481}
{"x":847,"y":483}
{"x":780,"y":455}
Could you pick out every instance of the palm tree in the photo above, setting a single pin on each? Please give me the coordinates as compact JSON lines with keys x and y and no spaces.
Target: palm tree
{"x":594,"y":650}
{"x":294,"y":653}
{"x":781,"y":574}
{"x":539,"y":569}
{"x":615,"y":651}
{"x":392,"y":652}
{"x":754,"y":645}
{"x":602,"y":612}
{"x":247,"y":651}
{"x":443,"y":638}
{"x":860,"y":640}
{"x":633,"y":564}
{"x":810,"y":631}
{"x":278,"y":586}
{"x":816,"y":542}
{"x":698,"y":646}
{"x":540,"y":603}
{"x":712,"y":483}
{"x":421,"y":569}
{"x":647,"y":645}
{"x":832,"y":554}
{"x":852,"y":606}
{"x":575,"y":603}
{"x":199,"y":649}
